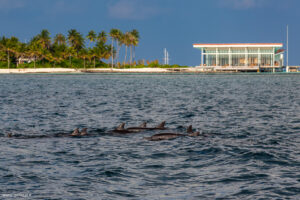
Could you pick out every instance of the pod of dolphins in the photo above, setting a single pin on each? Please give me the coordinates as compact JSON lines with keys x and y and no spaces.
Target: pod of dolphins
{"x":131,"y":130}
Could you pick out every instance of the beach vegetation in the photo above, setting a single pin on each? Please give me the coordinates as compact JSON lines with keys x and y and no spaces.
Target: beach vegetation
{"x":74,"y":50}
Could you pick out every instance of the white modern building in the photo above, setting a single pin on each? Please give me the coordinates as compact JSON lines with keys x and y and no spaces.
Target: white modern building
{"x":241,"y":56}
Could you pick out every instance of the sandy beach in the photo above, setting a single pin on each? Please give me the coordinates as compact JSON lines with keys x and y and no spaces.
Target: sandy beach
{"x":100,"y":70}
{"x":38,"y":70}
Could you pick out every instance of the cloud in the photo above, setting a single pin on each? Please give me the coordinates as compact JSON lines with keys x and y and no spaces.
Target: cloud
{"x":11,"y":4}
{"x":132,"y":10}
{"x":241,"y":4}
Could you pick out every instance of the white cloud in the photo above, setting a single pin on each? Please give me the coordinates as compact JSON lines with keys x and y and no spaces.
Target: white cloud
{"x":242,"y":4}
{"x":132,"y":9}
{"x":11,"y":4}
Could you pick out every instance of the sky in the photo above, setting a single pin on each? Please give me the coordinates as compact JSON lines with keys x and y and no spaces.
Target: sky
{"x":172,"y":24}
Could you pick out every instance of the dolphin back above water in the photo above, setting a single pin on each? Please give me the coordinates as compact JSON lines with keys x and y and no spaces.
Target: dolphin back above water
{"x":170,"y":136}
{"x":83,"y":132}
{"x":121,"y":129}
{"x":76,"y":132}
{"x":164,"y":136}
{"x":143,"y":127}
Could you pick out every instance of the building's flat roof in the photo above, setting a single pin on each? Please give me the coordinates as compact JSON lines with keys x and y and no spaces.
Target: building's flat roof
{"x":240,"y":45}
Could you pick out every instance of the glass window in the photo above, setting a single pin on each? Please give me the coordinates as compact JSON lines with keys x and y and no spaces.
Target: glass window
{"x":238,"y":50}
{"x":266,"y":60}
{"x":253,"y":60}
{"x":223,"y":60}
{"x":266,"y":50}
{"x":238,"y":60}
{"x":252,"y":50}
{"x":210,"y":60}
{"x":210,"y":50}
{"x":224,"y":50}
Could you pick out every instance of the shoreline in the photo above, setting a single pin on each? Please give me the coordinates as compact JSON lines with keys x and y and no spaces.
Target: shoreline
{"x":109,"y":70}
{"x":99,"y":70}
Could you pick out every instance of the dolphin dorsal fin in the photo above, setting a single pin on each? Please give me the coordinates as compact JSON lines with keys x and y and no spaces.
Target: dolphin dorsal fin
{"x":143,"y":125}
{"x":83,"y":131}
{"x":161,"y":125}
{"x":75,"y":132}
{"x":121,"y":127}
{"x":190,"y":129}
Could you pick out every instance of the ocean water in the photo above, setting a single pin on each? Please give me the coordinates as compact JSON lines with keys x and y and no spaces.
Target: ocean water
{"x":251,"y":149}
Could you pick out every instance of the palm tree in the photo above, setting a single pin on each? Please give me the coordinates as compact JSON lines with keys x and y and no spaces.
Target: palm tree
{"x":91,"y":37}
{"x":114,"y":35}
{"x":34,"y":49}
{"x":83,"y":53}
{"x":44,"y":39}
{"x":92,"y":55}
{"x":136,"y":34}
{"x":102,"y":37}
{"x":102,"y":51}
{"x":71,"y":52}
{"x":21,"y":51}
{"x":126,"y":42}
{"x":60,"y":39}
{"x":75,"y":40}
{"x":60,"y":48}
{"x":131,"y":42}
{"x":9,"y":46}
{"x":119,"y":37}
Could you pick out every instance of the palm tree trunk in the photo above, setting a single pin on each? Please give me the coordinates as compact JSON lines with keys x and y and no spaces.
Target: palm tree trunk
{"x":84,"y":63}
{"x":94,"y":62}
{"x":130,"y":55}
{"x":125,"y":55}
{"x":112,"y":53}
{"x":8,"y":62}
{"x":133,"y":53}
{"x":70,"y":59}
{"x":117,"y":54}
{"x":118,"y":51}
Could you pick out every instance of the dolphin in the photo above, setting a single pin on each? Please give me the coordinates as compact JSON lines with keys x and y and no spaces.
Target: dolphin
{"x":75,"y":132}
{"x":137,"y":129}
{"x":83,"y":132}
{"x":144,"y":127}
{"x":121,"y":129}
{"x":164,"y":136}
{"x":191,"y":133}
{"x":170,"y":136}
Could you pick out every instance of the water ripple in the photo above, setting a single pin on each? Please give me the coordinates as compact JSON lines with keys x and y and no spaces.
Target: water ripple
{"x":250,"y":149}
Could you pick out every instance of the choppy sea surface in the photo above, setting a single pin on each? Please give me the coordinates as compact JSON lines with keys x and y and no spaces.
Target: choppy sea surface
{"x":251,"y":149}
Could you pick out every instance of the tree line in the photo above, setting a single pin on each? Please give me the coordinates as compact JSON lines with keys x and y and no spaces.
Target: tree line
{"x":74,"y":47}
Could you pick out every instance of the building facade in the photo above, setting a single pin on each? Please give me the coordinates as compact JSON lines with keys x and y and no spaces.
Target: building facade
{"x":242,"y":56}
